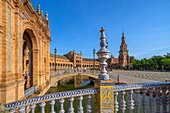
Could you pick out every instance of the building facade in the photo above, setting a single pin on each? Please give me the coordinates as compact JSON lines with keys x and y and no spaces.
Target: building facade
{"x":72,"y":60}
{"x":76,"y":60}
{"x":24,"y":49}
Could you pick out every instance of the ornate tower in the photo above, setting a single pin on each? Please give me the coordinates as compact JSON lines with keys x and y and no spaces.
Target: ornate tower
{"x":123,"y":54}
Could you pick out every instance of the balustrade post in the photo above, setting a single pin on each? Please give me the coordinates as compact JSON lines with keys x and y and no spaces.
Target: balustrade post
{"x":169,"y":98}
{"x":104,"y":84}
{"x":42,"y":105}
{"x":61,"y":106}
{"x":158,"y":100}
{"x":32,"y":107}
{"x":144,"y":100}
{"x":164,"y":100}
{"x":89,"y":110}
{"x":151,"y":100}
{"x":71,"y":109}
{"x":22,"y":109}
{"x":80,"y":107}
{"x":116,"y":104}
{"x":130,"y":101}
{"x":12,"y":110}
{"x":122,"y":102}
{"x":52,"y":106}
{"x":137,"y":101}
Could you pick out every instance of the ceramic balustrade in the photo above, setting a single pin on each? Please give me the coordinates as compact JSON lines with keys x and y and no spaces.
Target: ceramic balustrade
{"x":135,"y":98}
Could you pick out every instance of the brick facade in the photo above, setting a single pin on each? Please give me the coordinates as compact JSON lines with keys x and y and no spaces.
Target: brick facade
{"x":21,"y":27}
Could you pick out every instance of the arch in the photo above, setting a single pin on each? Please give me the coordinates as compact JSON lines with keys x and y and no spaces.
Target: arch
{"x":30,"y":39}
{"x":31,"y":29}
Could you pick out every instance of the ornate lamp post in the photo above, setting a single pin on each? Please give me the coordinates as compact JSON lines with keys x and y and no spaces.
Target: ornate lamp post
{"x":94,"y":52}
{"x":55,"y":51}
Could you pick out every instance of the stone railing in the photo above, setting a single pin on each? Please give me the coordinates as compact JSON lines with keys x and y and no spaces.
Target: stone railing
{"x":61,"y":96}
{"x":131,"y":98}
{"x":143,"y":98}
{"x":30,"y":91}
{"x":72,"y":71}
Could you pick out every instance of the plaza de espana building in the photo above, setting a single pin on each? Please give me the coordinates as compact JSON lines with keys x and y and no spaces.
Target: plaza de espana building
{"x":73,"y":60}
{"x":24,"y":49}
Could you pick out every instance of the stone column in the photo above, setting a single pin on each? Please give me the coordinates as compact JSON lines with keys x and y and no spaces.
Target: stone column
{"x":105,"y":98}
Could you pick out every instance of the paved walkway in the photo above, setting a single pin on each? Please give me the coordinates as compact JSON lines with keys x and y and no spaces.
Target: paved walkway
{"x":139,"y":76}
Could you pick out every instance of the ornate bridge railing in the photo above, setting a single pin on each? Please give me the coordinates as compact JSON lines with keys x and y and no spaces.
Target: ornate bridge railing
{"x":30,"y":91}
{"x":73,"y":71}
{"x":141,"y":98}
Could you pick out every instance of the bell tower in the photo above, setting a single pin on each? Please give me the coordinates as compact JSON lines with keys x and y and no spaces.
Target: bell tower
{"x":123,"y":54}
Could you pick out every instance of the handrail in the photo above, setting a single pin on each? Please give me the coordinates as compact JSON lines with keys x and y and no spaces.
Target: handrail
{"x":82,"y":92}
{"x":31,"y":90}
{"x":48,"y":97}
{"x":123,"y":87}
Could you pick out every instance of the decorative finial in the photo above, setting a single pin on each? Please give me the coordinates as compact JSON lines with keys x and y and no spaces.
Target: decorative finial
{"x":103,"y":54}
{"x":123,"y":34}
{"x":38,"y":9}
{"x":102,"y":32}
{"x":42,"y":12}
{"x":46,"y":16}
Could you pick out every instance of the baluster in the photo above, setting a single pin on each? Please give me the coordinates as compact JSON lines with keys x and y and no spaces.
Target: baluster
{"x":12,"y":110}
{"x":151,"y":100}
{"x":122,"y":102}
{"x":164,"y":100}
{"x":22,"y":109}
{"x":32,"y":107}
{"x":158,"y":100}
{"x":80,"y":107}
{"x":169,"y":98}
{"x":52,"y":106}
{"x":42,"y":105}
{"x":71,"y":109}
{"x":61,"y":106}
{"x":130,"y":101}
{"x":144,"y":100}
{"x":89,"y":110}
{"x":116,"y":102}
{"x":137,"y":100}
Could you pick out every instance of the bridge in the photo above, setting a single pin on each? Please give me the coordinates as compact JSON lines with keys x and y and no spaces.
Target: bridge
{"x":125,"y":76}
{"x":152,"y":97}
{"x":76,"y":73}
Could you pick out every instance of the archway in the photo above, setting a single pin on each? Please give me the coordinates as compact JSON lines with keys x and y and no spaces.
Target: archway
{"x":28,"y":51}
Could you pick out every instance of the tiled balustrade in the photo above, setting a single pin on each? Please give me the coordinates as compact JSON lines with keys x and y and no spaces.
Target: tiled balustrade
{"x":140,"y":98}
{"x":30,"y":91}
{"x":73,"y":71}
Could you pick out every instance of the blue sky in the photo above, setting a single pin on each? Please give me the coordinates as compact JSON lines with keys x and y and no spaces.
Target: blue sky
{"x":75,"y":25}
